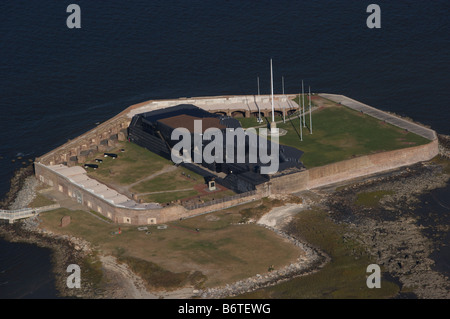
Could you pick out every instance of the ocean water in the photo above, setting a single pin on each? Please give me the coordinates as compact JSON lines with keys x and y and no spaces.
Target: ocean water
{"x":56,"y":82}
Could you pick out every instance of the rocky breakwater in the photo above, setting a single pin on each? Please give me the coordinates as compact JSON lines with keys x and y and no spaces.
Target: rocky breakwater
{"x":390,"y":227}
{"x":444,"y":145}
{"x":17,"y":183}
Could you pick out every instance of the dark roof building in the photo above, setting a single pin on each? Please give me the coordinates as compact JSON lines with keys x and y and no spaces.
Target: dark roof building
{"x":187,"y":121}
{"x":153,"y":131}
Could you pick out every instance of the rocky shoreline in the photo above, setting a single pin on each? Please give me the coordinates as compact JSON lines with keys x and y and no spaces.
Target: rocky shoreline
{"x":17,"y":183}
{"x":391,"y":231}
{"x":65,"y":249}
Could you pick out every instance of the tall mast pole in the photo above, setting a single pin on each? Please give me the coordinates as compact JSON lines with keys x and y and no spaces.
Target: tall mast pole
{"x":258,"y":84}
{"x":303,"y":103}
{"x":284,"y":112}
{"x":259,"y":110}
{"x":300,"y":118}
{"x":273,"y":125}
{"x":310,"y":112}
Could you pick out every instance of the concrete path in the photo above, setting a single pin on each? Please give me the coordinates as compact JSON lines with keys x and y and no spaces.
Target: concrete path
{"x":171,"y":191}
{"x":166,"y":169}
{"x":383,"y":116}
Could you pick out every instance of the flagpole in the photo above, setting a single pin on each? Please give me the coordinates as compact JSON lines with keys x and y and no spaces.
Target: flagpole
{"x":303,"y":103}
{"x":300,"y":118}
{"x":310,"y":112}
{"x":273,"y":124}
{"x":259,"y":110}
{"x":284,"y":112}
{"x":258,"y":83}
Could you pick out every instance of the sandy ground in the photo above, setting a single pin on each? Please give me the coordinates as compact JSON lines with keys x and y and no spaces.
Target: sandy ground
{"x":278,"y":217}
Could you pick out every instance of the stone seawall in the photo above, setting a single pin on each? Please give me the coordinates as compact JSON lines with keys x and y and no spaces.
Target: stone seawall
{"x":354,"y":168}
{"x":370,"y":164}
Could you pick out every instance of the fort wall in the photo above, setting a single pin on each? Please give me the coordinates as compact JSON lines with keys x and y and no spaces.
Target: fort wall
{"x":105,"y":136}
{"x":354,"y":168}
{"x":123,"y":215}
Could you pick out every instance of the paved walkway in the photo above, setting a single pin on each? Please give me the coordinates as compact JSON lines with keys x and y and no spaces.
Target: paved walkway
{"x":171,"y":191}
{"x":12,"y":215}
{"x":383,"y":116}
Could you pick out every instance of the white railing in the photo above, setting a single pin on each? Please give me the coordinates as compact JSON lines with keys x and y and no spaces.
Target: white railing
{"x":25,"y":212}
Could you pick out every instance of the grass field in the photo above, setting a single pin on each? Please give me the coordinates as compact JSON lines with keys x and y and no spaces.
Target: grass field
{"x":142,"y":172}
{"x":40,"y":201}
{"x":130,"y":166}
{"x":340,"y":133}
{"x":219,"y":253}
{"x":174,"y":180}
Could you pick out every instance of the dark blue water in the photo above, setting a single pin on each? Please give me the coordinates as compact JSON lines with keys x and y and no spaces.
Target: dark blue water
{"x":56,"y":83}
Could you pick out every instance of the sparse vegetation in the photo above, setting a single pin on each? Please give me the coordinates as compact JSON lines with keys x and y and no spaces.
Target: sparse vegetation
{"x":371,"y":199}
{"x":210,"y":244}
{"x":343,"y":278}
{"x":157,"y":277}
{"x":40,"y":201}
{"x":92,"y":270}
{"x":257,"y":211}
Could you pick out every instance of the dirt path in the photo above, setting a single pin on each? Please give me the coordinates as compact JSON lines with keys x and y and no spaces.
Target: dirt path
{"x":161,"y":192}
{"x":125,"y":189}
{"x":166,"y":169}
{"x":278,"y":217}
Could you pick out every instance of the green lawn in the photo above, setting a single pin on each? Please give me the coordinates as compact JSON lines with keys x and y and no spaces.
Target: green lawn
{"x":130,"y":166}
{"x":170,"y":181}
{"x":136,"y":163}
{"x":340,"y":133}
{"x":168,"y":197}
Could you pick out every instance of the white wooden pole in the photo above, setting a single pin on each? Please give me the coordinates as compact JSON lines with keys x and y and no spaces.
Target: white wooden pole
{"x":271,"y":84}
{"x":310,"y":112}
{"x":258,"y":84}
{"x":284,"y":111}
{"x":303,"y":103}
{"x":300,"y":119}
{"x":259,"y":109}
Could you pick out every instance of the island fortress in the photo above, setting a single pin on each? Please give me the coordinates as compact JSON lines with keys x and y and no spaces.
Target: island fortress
{"x":62,"y":168}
